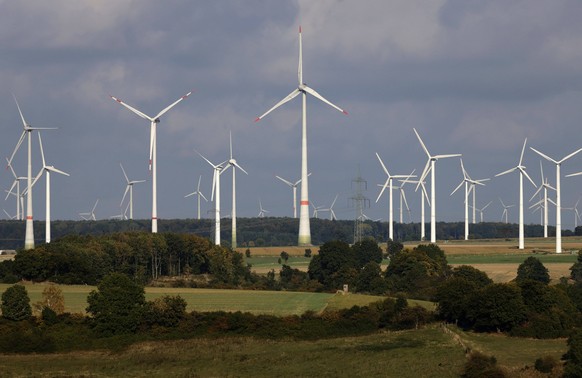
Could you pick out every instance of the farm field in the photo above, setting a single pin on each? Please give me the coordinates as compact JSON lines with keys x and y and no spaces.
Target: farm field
{"x":253,"y":301}
{"x":427,"y":352}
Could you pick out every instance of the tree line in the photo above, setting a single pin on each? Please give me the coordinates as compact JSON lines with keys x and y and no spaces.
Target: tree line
{"x":269,"y":231}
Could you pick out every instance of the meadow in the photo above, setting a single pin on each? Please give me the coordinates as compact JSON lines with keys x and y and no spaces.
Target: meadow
{"x":427,"y":352}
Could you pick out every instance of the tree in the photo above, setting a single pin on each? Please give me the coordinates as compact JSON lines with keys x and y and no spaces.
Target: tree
{"x":16,"y":303}
{"x":532,"y":269}
{"x":334,"y":265}
{"x":497,"y":307}
{"x":284,"y":256}
{"x":367,"y":250}
{"x":52,"y":298}
{"x":576,"y":269}
{"x":453,"y":299}
{"x":573,"y":357}
{"x":472,"y":274}
{"x":166,"y":311}
{"x":393,"y":248}
{"x":370,"y":279}
{"x":117,"y":305}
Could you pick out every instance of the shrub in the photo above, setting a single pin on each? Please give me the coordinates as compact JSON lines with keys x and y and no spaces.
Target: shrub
{"x":16,"y":303}
{"x":532,"y":269}
{"x":117,"y":305}
{"x":480,"y":366}
{"x":166,"y":311}
{"x":546,"y":364}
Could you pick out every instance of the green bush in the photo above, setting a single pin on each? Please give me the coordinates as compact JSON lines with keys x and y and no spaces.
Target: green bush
{"x":546,"y":364}
{"x":16,"y":303}
{"x":481,"y":366}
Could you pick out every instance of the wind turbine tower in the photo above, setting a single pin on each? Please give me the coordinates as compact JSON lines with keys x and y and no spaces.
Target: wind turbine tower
{"x":558,"y":196}
{"x":232,"y":162}
{"x":153,"y":151}
{"x":199,"y":194}
{"x":304,"y":226}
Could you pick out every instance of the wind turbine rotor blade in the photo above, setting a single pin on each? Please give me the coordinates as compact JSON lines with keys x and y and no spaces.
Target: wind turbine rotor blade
{"x":383,"y":188}
{"x":536,"y":192}
{"x":134,"y":110}
{"x":425,"y":172}
{"x":552,"y":202}
{"x":484,"y":207}
{"x":41,"y":150}
{"x":20,"y":112}
{"x":152,"y":141}
{"x":300,"y":66}
{"x":335,"y":199}
{"x":55,"y":170}
{"x":285,"y":181}
{"x":136,"y":182}
{"x":95,"y":206}
{"x":506,"y":172}
{"x":574,"y":174}
{"x":422,"y":143}
{"x":10,"y":191}
{"x":529,"y":178}
{"x":522,"y":151}
{"x":458,"y":187}
{"x":124,"y":195}
{"x":544,"y":156}
{"x":239,"y":167}
{"x":22,"y":136}
{"x":202,"y":195}
{"x":213,"y":184}
{"x":208,"y":161}
{"x":12,"y":169}
{"x":124,"y":174}
{"x":321,"y":98}
{"x":383,"y":166}
{"x":404,"y":198}
{"x":190,"y":194}
{"x":172,"y":105}
{"x":446,"y":156}
{"x":569,"y":156}
{"x":289,"y":97}
{"x":198,"y":187}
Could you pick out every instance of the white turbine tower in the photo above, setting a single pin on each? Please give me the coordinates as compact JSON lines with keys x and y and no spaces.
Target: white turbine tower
{"x":218,"y":170}
{"x":262,"y":211}
{"x":521,"y":168}
{"x":505,"y":212}
{"x":545,"y":185}
{"x":294,"y":187}
{"x":47,"y":169}
{"x":91,"y":215}
{"x":403,"y":196}
{"x":199,"y":194}
{"x":558,"y":197}
{"x":575,"y":211}
{"x":423,"y":196}
{"x":388,"y":184}
{"x":129,"y":188}
{"x":430,"y":167}
{"x":153,"y":151}
{"x":304,"y":226}
{"x":29,"y":234}
{"x":469,"y":183}
{"x":19,"y":197}
{"x":232,"y":162}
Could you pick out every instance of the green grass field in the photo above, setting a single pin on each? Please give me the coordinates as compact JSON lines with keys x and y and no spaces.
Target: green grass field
{"x":510,"y":258}
{"x":254,"y":301}
{"x":427,"y":352}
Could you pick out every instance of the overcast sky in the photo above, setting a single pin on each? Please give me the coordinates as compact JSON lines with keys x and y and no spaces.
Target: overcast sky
{"x":473,"y":77}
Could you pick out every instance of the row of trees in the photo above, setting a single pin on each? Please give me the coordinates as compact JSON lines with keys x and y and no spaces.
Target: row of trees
{"x":270,"y":231}
{"x":143,"y":255}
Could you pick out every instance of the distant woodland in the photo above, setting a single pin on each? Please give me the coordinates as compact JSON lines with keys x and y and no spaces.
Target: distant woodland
{"x":269,"y":231}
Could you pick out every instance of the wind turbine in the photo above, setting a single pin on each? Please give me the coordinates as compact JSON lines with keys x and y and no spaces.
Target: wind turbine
{"x":558,"y":197}
{"x":232,"y":162}
{"x":218,"y":170}
{"x":19,"y":197}
{"x":521,"y":168}
{"x":261,"y":210}
{"x":294,"y":187}
{"x":430,"y":167}
{"x":47,"y":169}
{"x":27,"y":130}
{"x":388,"y":184}
{"x":11,"y":217}
{"x":91,"y":215}
{"x":316,"y":210}
{"x":304,"y":226}
{"x":469,"y":183}
{"x":129,"y":188}
{"x":575,"y":211}
{"x":153,"y":151}
{"x":481,"y":210}
{"x":544,"y":201}
{"x":330,"y":209}
{"x":505,"y":207}
{"x":199,"y":194}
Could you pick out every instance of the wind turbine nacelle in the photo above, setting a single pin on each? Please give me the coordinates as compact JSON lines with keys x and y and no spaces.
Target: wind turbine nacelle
{"x":157,"y":120}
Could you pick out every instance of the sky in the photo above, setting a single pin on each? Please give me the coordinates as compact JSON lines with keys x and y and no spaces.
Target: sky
{"x":472,"y":77}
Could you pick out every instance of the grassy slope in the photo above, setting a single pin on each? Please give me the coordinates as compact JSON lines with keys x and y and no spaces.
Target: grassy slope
{"x":423,"y":353}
